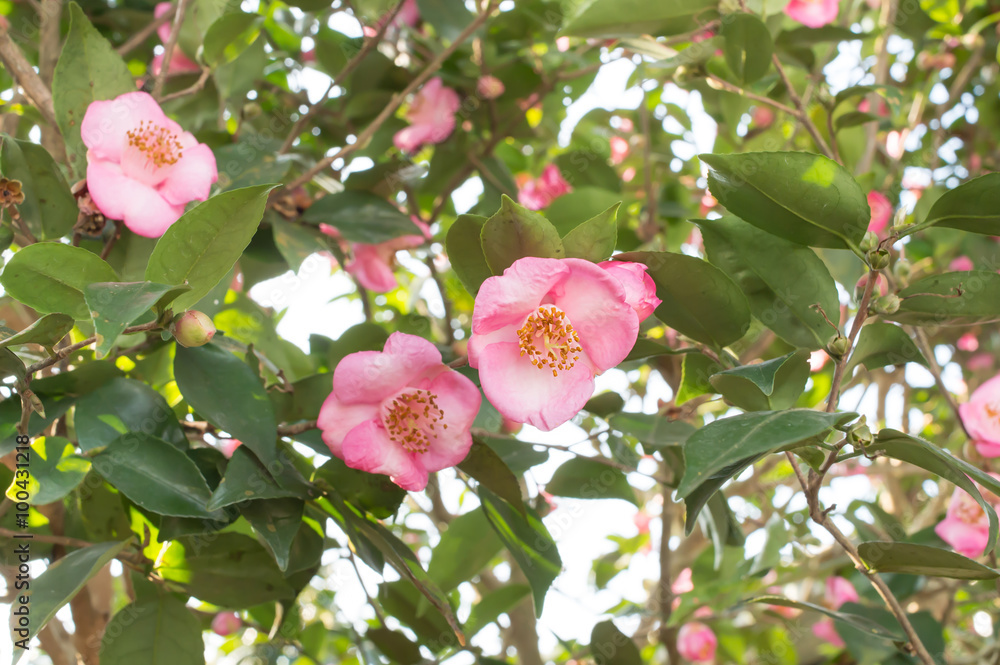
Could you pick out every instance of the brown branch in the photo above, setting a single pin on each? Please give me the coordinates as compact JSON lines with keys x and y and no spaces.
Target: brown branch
{"x":298,"y":428}
{"x":735,"y":89}
{"x":665,"y":599}
{"x":859,"y":320}
{"x":169,"y":48}
{"x":25,"y":75}
{"x":925,"y":348}
{"x":197,"y":86}
{"x":138,"y":38}
{"x":62,"y":353}
{"x":45,"y":538}
{"x":802,"y":114}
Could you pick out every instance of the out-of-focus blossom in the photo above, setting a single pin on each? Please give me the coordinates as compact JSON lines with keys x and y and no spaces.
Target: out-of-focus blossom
{"x":619,"y":149}
{"x":696,"y":642}
{"x":965,"y":526}
{"x":812,"y":13}
{"x":881,"y":213}
{"x":981,"y":417}
{"x":967,"y":342}
{"x":373,"y":265}
{"x":489,"y":87}
{"x":628,"y":175}
{"x":961,"y":264}
{"x":894,"y":145}
{"x":817,"y":359}
{"x":538,"y":194}
{"x":179,"y":63}
{"x":431,"y":116}
{"x":762,"y":117}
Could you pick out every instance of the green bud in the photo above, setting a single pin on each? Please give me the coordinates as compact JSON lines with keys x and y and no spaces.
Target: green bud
{"x":869,"y":242}
{"x":879,"y":259}
{"x":192,"y":328}
{"x":886,"y":304}
{"x":838,"y":346}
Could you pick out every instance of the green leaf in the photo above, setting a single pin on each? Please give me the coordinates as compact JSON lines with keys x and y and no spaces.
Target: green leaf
{"x":881,"y":344}
{"x":605,"y":404}
{"x":49,"y":209}
{"x":804,"y":37}
{"x":203,"y":245}
{"x":931,"y":458}
{"x":808,"y":199}
{"x":465,"y":251}
{"x":721,"y":526}
{"x":371,"y":492}
{"x":584,"y":478}
{"x":776,"y":537}
{"x":50,"y":278}
{"x":394,"y":645}
{"x":654,"y":432}
{"x":571,"y":210}
{"x":853,"y":620}
{"x":913,"y":559}
{"x":11,"y":365}
{"x":114,"y":305}
{"x":227,"y":393}
{"x":973,"y":206}
{"x":245,"y":479}
{"x":121,"y":406}
{"x":782,"y":293}
{"x":152,"y":630}
{"x":748,"y":46}
{"x":595,"y":239}
{"x":519,"y":456}
{"x":402,"y":601}
{"x":696,"y":368}
{"x":493,"y":604}
{"x":699,"y":300}
{"x":853,"y":119}
{"x":488,"y":468}
{"x":155,"y":475}
{"x":631,"y":18}
{"x":773,"y":385}
{"x":466,"y":548}
{"x":230,"y":35}
{"x":228,"y":570}
{"x":55,"y":471}
{"x":610,"y":646}
{"x":515,"y":232}
{"x":361,"y":217}
{"x":957,"y":299}
{"x":528,"y":541}
{"x":276,"y":521}
{"x":62,"y":580}
{"x":449,"y":17}
{"x":725,"y":441}
{"x":46,"y":331}
{"x":88,"y":70}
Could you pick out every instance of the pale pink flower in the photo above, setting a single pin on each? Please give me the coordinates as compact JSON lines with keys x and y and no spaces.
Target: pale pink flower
{"x":626,"y":125}
{"x":706,"y":204}
{"x":967,"y":342}
{"x":431,"y":116}
{"x":883,"y":109}
{"x":881,"y":213}
{"x":373,"y":265}
{"x":979,"y":361}
{"x":562,"y":44}
{"x":839,"y":591}
{"x":894,"y":144}
{"x":961,"y":264}
{"x":696,"y":642}
{"x":142,"y":168}
{"x":881,"y":285}
{"x":619,"y":149}
{"x":965,"y":526}
{"x":812,"y":13}
{"x":981,"y":417}
{"x":628,"y":175}
{"x":229,"y":446}
{"x":640,"y":289}
{"x":179,"y":63}
{"x":538,"y":194}
{"x":817,"y":359}
{"x":399,"y":412}
{"x":408,"y":15}
{"x":542,"y":331}
{"x":682,"y":583}
{"x":226,"y":623}
{"x":489,"y":87}
{"x":826,"y":631}
{"x":762,"y":117}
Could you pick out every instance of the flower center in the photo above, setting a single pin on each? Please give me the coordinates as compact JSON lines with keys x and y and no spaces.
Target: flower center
{"x":968,"y":511}
{"x":412,"y":419}
{"x":160,"y":146}
{"x":549,"y":340}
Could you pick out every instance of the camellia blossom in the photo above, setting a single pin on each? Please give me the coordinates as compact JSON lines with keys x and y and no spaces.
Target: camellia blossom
{"x":640,"y":290}
{"x":538,"y":194}
{"x":542,"y":331}
{"x":961,"y":264}
{"x":881,"y":213}
{"x":226,"y":623}
{"x":812,"y":13}
{"x":431,"y":116}
{"x":826,"y":631}
{"x":489,"y":87}
{"x":696,"y":642}
{"x":967,"y":342}
{"x":142,"y":168}
{"x":965,"y":526}
{"x":619,"y":149}
{"x":373,"y":265}
{"x":838,"y":591}
{"x":981,"y":417}
{"x":179,"y":63}
{"x":399,"y":412}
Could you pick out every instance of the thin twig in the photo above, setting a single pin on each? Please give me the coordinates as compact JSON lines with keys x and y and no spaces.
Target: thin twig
{"x":925,"y":348}
{"x":729,"y":87}
{"x":297,"y":428}
{"x":197,"y":86}
{"x":859,"y":320}
{"x":802,"y":114}
{"x":169,"y":48}
{"x":886,"y":21}
{"x":62,"y":353}
{"x":138,"y":38}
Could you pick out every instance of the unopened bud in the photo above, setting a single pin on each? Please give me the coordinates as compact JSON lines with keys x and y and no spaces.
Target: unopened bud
{"x":192,"y":328}
{"x":226,"y":623}
{"x":838,"y":346}
{"x":869,"y":242}
{"x":879,"y":259}
{"x":886,"y":304}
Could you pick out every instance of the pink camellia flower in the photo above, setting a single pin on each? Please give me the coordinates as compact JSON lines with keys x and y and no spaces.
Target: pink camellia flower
{"x":979,"y":361}
{"x":817,"y":359}
{"x":696,"y":642}
{"x":226,"y":623}
{"x":812,"y":13}
{"x":826,"y":631}
{"x":641,"y":520}
{"x":881,"y":286}
{"x":538,"y":194}
{"x":682,"y":583}
{"x":961,"y":264}
{"x":883,"y":108}
{"x":229,"y":446}
{"x":409,"y":14}
{"x":839,"y":591}
{"x":967,"y":342}
{"x":762,"y":117}
{"x":965,"y":526}
{"x":628,"y":174}
{"x":431,"y":116}
{"x":619,"y":149}
{"x":640,"y":290}
{"x":142,"y":168}
{"x":489,"y":87}
{"x":626,"y":125}
{"x":895,"y":146}
{"x":981,"y":417}
{"x":399,"y":412}
{"x":372,"y":265}
{"x":542,"y":331}
{"x":179,"y":63}
{"x":881,"y":213}
{"x":706,"y":204}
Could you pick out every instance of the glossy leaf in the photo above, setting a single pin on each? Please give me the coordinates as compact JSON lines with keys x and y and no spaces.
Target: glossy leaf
{"x":245,"y":479}
{"x":585,"y":478}
{"x":55,"y":471}
{"x":610,"y":646}
{"x":914,"y":559}
{"x":49,"y":209}
{"x":515,"y":232}
{"x":154,"y":629}
{"x":46,"y":331}
{"x":955,"y":299}
{"x":594,"y":239}
{"x":629,"y":18}
{"x":654,"y":432}
{"x":973,"y":206}
{"x":203,"y":245}
{"x":361,"y":217}
{"x":50,"y":278}
{"x":276,"y":522}
{"x":493,"y":604}
{"x":230,"y":35}
{"x":772,"y":385}
{"x":696,"y":369}
{"x":371,"y":492}
{"x":114,"y":305}
{"x":881,"y":344}
{"x":489,"y":469}
{"x":121,"y":406}
{"x":748,"y":46}
{"x":465,"y":251}
{"x":855,"y":621}
{"x":466,"y":548}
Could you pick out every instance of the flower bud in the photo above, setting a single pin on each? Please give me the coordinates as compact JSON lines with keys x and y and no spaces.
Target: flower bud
{"x":869,"y":242}
{"x":489,"y":87}
{"x":192,"y":328}
{"x":226,"y":623}
{"x":838,"y":345}
{"x":886,"y":304}
{"x":879,"y":259}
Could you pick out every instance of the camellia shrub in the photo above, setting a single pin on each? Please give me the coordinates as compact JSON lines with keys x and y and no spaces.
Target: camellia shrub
{"x":649,"y":331}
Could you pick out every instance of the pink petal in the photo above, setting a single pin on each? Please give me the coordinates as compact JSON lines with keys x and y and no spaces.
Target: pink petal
{"x":987,"y":449}
{"x":826,"y":631}
{"x":531,"y":197}
{"x":372,"y":376}
{"x":640,"y":289}
{"x":336,"y":419}
{"x":812,"y":13}
{"x":367,"y":447}
{"x":371,"y":267}
{"x":106,"y":123}
{"x":142,"y":209}
{"x":526,"y":394}
{"x":967,"y":539}
{"x":164,"y":30}
{"x":594,"y":302}
{"x":459,"y":400}
{"x":479,"y":342}
{"x":509,"y":298}
{"x":191,"y":178}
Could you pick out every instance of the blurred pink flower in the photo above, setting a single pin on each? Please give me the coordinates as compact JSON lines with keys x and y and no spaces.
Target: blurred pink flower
{"x":762,"y":117}
{"x":696,"y":642}
{"x":142,"y":167}
{"x":399,"y":412}
{"x":179,"y":63}
{"x":707,"y":203}
{"x":826,"y":631}
{"x":979,"y":362}
{"x":489,"y":87}
{"x":682,"y":583}
{"x":817,"y":359}
{"x":881,"y":285}
{"x":981,"y":417}
{"x":619,"y":149}
{"x":881,"y":213}
{"x":229,"y":446}
{"x":628,"y":174}
{"x":839,"y":591}
{"x":812,"y":13}
{"x":431,"y":116}
{"x":640,"y":289}
{"x":641,"y":520}
{"x":961,"y":264}
{"x":538,"y":194}
{"x":965,"y":526}
{"x":894,"y":145}
{"x":373,"y":265}
{"x":409,"y":14}
{"x":967,"y":342}
{"x":226,"y":623}
{"x":626,"y":125}
{"x":562,"y":44}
